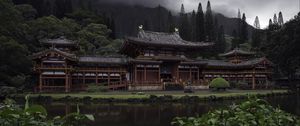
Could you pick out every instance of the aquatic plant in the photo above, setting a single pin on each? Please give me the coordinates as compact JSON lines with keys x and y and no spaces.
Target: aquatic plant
{"x":253,"y":112}
{"x":36,"y":115}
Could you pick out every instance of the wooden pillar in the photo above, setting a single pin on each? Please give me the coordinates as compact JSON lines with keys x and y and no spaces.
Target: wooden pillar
{"x":135,"y":74}
{"x":159,"y":74}
{"x":108,"y":81}
{"x":145,"y":74}
{"x":266,"y":79}
{"x":96,"y":75}
{"x":198,"y":76}
{"x":190,"y":74}
{"x":41,"y":83}
{"x":253,"y":80}
{"x":66,"y":83}
{"x":70,"y":82}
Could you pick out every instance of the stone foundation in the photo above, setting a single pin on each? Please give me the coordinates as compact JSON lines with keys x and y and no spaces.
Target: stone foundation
{"x":196,"y":87}
{"x":144,"y":88}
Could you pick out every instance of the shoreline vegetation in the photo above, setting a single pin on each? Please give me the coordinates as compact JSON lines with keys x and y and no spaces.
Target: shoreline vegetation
{"x":150,"y":96}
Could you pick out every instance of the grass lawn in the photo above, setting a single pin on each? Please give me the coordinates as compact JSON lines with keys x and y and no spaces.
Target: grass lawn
{"x":146,"y":94}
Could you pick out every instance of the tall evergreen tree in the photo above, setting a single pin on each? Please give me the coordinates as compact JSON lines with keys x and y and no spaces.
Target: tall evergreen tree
{"x":209,"y":26}
{"x":193,"y":28}
{"x":280,"y":19}
{"x":171,"y":24}
{"x":184,"y":25}
{"x":239,"y":14}
{"x":275,"y":20}
{"x":220,"y":45}
{"x":200,"y":27}
{"x":256,"y":23}
{"x":256,"y":38}
{"x":244,"y":30}
{"x":160,"y":17}
{"x":112,"y":27}
{"x":235,"y":40}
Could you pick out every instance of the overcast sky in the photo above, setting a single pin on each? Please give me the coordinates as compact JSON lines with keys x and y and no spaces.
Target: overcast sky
{"x":264,"y":9}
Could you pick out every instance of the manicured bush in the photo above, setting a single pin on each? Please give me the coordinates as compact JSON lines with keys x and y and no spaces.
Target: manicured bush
{"x":253,"y":112}
{"x":219,"y":83}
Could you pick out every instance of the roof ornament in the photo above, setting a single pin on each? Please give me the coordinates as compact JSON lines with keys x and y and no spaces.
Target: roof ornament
{"x":141,"y":27}
{"x":141,"y":32}
{"x":176,"y":31}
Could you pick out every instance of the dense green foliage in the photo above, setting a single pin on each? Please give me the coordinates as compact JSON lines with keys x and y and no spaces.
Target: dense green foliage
{"x":282,"y":46}
{"x":219,"y":83}
{"x":36,"y":115}
{"x":21,"y":32}
{"x":254,"y":112}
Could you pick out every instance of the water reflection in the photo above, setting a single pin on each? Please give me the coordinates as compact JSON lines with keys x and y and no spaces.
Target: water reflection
{"x":156,"y":114}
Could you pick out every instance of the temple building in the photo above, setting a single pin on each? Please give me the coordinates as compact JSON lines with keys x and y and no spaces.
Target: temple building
{"x":152,"y":61}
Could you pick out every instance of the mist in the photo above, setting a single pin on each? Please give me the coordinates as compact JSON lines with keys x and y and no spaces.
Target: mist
{"x":264,"y":9}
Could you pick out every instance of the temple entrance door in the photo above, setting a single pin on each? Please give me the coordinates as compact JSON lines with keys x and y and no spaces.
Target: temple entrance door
{"x":167,"y":72}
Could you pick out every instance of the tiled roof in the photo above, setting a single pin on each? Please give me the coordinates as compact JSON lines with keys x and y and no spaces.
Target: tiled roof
{"x":65,"y":54}
{"x":237,"y":52}
{"x":226,"y":64}
{"x":166,"y":39}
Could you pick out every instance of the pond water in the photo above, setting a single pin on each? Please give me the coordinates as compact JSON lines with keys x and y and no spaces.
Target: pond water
{"x":121,"y":114}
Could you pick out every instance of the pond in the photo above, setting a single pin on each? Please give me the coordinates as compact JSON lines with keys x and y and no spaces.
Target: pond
{"x":122,"y":114}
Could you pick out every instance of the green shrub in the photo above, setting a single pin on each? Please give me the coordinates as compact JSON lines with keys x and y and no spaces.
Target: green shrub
{"x":254,"y":112}
{"x":219,"y":83}
{"x":97,"y":88}
{"x":5,"y":90}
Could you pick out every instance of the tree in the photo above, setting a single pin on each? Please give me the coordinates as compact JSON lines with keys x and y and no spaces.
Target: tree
{"x":200,"y":27}
{"x":235,"y":40}
{"x":184,"y":31}
{"x":94,"y":38}
{"x":209,"y":25}
{"x":193,"y":28}
{"x":244,"y":30}
{"x":220,"y":44}
{"x":256,"y":35}
{"x":256,"y":23}
{"x":171,"y":24}
{"x":280,"y":19}
{"x":275,"y":20}
{"x":239,"y":14}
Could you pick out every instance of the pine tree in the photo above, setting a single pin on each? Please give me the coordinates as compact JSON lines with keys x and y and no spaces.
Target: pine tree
{"x":216,"y":29}
{"x":256,"y":23}
{"x":275,"y":20}
{"x":171,"y":24}
{"x":239,"y":24}
{"x":244,"y":30}
{"x":161,"y":24}
{"x":112,"y":27}
{"x":220,"y":43}
{"x":184,"y":25}
{"x":200,"y":28}
{"x":235,"y":40}
{"x":193,"y":28}
{"x":280,"y":19}
{"x":239,"y":14}
{"x":256,"y":38}
{"x":209,"y":26}
{"x":270,"y":22}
